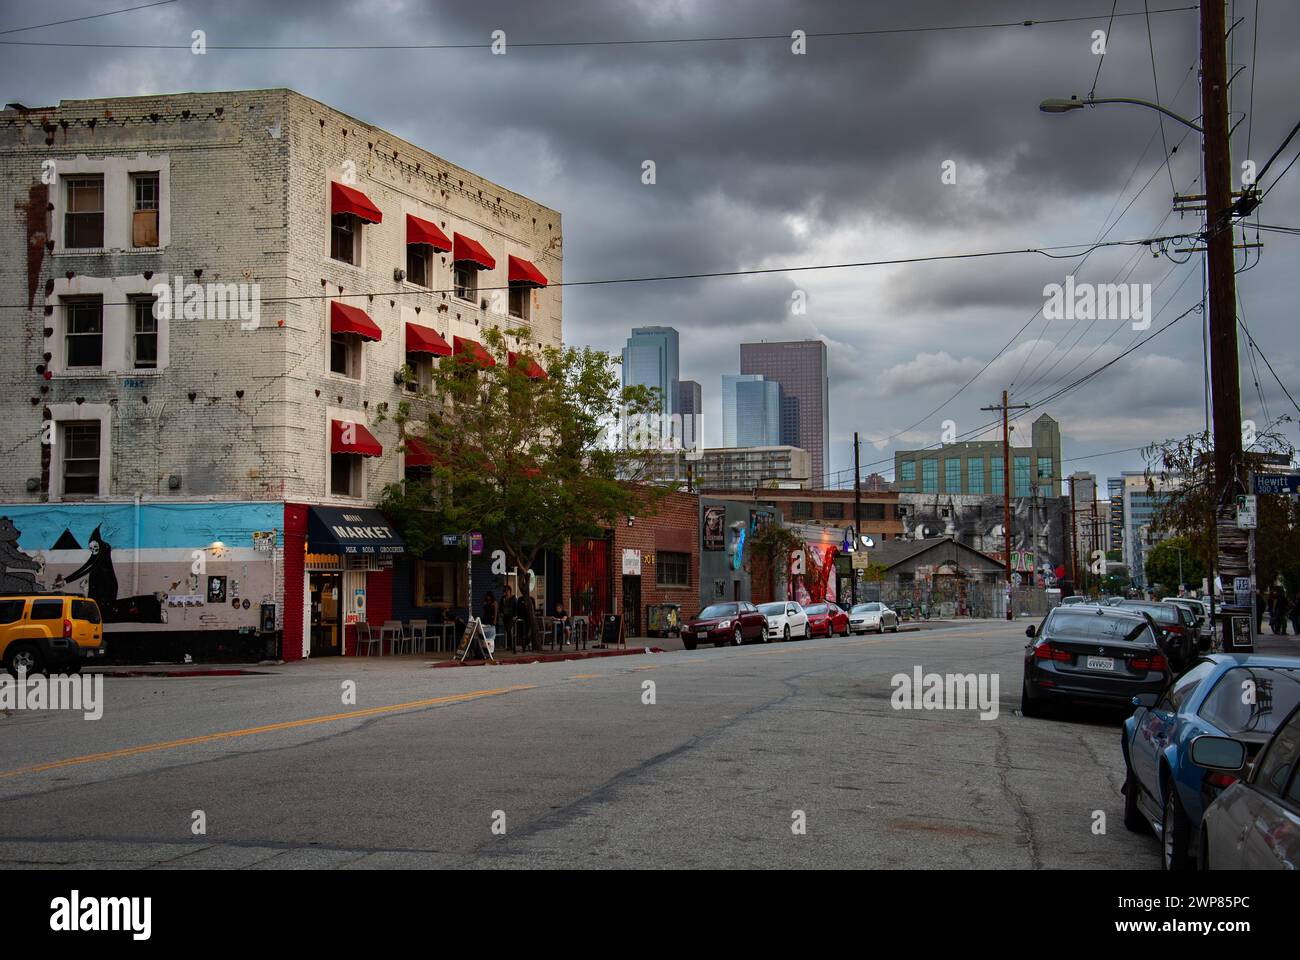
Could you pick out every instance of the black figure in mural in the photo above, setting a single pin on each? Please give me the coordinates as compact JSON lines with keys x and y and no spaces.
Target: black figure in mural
{"x":98,"y":570}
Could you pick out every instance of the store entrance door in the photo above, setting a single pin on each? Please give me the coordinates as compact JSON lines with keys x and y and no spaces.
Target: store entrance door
{"x":632,"y":606}
{"x":326,"y":602}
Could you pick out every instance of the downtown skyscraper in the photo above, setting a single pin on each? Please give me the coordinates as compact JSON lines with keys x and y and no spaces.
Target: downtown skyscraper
{"x":800,"y":369}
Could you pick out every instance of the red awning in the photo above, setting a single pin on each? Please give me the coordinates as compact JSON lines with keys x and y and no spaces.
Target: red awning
{"x":530,"y":367}
{"x":425,"y":340}
{"x":349,"y":437}
{"x":350,"y":200}
{"x":471,"y":251}
{"x":345,"y":319}
{"x":471,"y":351}
{"x":522,"y":271}
{"x":418,"y":453}
{"x":422,"y":231}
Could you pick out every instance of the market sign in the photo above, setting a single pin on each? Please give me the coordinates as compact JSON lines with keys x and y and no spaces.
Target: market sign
{"x":355,"y":531}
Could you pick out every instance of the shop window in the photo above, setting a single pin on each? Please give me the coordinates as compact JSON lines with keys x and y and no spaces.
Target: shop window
{"x":81,"y":454}
{"x":439,"y":583}
{"x":673,"y":569}
{"x":418,"y":261}
{"x":83,"y":219}
{"x":84,"y":332}
{"x":345,"y":238}
{"x":345,"y":475}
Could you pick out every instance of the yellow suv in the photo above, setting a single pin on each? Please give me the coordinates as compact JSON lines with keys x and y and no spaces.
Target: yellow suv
{"x":40,"y":633}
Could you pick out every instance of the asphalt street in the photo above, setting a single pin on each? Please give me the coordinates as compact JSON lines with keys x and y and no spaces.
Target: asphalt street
{"x":566,"y":765}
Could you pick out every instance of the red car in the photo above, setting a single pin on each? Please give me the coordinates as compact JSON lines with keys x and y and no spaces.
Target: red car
{"x":721,"y":623}
{"x":827,"y":620}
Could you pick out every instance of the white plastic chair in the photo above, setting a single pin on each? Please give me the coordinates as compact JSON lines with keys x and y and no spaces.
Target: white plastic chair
{"x":418,"y":635}
{"x":393,"y":633}
{"x":366,"y":637}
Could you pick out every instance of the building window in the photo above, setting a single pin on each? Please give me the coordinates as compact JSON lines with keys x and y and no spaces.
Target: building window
{"x":417,"y":263}
{"x":998,"y":468}
{"x":1020,"y":476}
{"x":83,"y":219}
{"x":873,"y":511}
{"x":345,"y":475}
{"x":345,"y":238}
{"x":519,"y":301}
{"x":438,"y":583}
{"x":81,"y":459}
{"x":952,"y":475}
{"x":345,"y":355}
{"x":907,"y":470}
{"x":144,"y":216}
{"x":466,"y":282}
{"x":85,"y":332}
{"x":673,"y":569}
{"x":975,"y":475}
{"x":1045,"y":468}
{"x":832,"y":510}
{"x":929,"y":476}
{"x":144,"y":345}
{"x":421,"y":365}
{"x":801,"y":510}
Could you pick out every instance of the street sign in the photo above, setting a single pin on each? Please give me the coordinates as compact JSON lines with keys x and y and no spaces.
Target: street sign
{"x":475,"y":544}
{"x":1241,"y":587}
{"x":1247,"y":516}
{"x":451,"y":540}
{"x":1277,"y":483}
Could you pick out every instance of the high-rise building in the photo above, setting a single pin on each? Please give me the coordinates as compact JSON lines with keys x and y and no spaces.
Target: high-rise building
{"x":690,"y":404}
{"x":751,"y":411}
{"x":650,"y":359}
{"x":800,"y":368}
{"x":976,"y":466}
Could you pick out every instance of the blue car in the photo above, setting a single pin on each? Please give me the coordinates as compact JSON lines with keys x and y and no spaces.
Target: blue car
{"x":1242,"y":696}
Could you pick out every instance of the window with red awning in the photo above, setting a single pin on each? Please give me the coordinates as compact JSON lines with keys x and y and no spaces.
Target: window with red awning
{"x":423,"y":231}
{"x":353,"y":438}
{"x":472,"y":352}
{"x":471,"y":252}
{"x":345,"y":199}
{"x":527,"y":366}
{"x":425,"y":340}
{"x":354,"y":320}
{"x":523,"y":271}
{"x":418,"y":453}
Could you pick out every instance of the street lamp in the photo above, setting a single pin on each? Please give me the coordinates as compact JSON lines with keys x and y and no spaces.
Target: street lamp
{"x":1056,"y":105}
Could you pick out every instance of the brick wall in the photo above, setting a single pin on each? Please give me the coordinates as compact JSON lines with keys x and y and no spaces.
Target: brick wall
{"x":675,"y":526}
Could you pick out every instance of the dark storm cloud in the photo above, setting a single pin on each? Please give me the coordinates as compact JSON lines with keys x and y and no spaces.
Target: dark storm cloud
{"x":765,"y":158}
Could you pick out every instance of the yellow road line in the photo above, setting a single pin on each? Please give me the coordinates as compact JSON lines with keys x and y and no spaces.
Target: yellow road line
{"x":266,"y":728}
{"x":586,"y":676}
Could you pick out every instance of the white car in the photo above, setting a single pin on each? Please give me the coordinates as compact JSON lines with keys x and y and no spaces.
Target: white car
{"x":872,"y":616}
{"x":785,"y":620}
{"x":1201,"y":611}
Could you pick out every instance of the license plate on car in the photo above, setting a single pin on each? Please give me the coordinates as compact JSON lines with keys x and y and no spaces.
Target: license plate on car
{"x":1101,"y":663}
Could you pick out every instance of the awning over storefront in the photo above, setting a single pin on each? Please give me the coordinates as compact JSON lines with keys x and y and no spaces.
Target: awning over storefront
{"x":473,"y":352}
{"x":527,"y":366}
{"x":348,"y":437}
{"x":522,"y":271}
{"x":426,"y":340}
{"x":345,"y":319}
{"x":471,"y":251}
{"x":351,"y":530}
{"x":423,"y":231}
{"x":345,"y":199}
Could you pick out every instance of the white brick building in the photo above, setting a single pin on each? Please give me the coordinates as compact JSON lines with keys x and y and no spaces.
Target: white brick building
{"x":295,"y":225}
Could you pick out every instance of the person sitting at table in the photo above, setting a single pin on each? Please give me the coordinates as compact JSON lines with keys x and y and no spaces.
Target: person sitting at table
{"x":563,"y":628}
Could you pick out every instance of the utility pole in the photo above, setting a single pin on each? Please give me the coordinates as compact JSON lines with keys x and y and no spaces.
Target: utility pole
{"x":1074,"y":538}
{"x":857,"y":510}
{"x":1006,"y":487}
{"x":1220,"y":270}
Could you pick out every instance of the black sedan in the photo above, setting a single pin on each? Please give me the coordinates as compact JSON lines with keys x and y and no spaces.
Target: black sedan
{"x":1091,"y":654}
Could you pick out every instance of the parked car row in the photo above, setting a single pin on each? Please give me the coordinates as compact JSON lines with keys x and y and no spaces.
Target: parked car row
{"x":1211,"y":752}
{"x":738,"y":622}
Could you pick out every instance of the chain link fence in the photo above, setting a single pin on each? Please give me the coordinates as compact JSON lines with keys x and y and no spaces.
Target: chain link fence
{"x":952,"y":599}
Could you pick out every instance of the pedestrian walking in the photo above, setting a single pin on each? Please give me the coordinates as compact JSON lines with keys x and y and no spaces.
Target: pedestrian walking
{"x":507,"y":616}
{"x":1261,"y":607}
{"x":1278,"y":609}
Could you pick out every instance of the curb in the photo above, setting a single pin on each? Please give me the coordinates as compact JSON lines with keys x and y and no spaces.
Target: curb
{"x":547,"y":658}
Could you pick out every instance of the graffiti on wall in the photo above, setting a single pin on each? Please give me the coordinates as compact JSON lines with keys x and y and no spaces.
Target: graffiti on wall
{"x":1039,"y":526}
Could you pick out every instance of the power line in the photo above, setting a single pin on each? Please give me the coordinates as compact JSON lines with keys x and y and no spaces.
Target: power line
{"x":1102,"y":59}
{"x":1155,"y":80}
{"x":93,"y":16}
{"x":835,"y":34}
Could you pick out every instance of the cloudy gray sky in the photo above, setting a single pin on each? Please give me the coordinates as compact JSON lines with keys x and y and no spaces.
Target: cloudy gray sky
{"x":768,"y":159}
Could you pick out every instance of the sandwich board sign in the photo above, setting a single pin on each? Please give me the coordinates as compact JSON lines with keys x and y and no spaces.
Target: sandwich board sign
{"x":474,"y":639}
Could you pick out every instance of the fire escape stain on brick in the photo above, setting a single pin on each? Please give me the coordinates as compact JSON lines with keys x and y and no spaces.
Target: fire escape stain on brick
{"x":35,"y":210}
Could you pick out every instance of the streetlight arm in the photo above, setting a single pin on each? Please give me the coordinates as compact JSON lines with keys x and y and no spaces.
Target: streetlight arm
{"x":1064,"y":106}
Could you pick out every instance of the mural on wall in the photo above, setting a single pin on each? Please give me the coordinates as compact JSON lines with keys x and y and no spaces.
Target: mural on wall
{"x":1039,"y":526}
{"x":17,"y":570}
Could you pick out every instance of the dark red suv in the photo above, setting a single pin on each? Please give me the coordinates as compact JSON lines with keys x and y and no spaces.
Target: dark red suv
{"x":721,"y":623}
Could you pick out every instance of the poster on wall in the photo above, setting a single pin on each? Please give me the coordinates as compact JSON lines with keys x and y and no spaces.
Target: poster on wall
{"x":715,"y":522}
{"x":758,"y":519}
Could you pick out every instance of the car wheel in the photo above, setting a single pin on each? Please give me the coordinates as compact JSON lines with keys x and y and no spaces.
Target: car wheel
{"x":895,"y":626}
{"x":1133,"y":818}
{"x":881,"y":629}
{"x":786,"y":638}
{"x":738,"y":638}
{"x":1028,"y":706}
{"x":25,"y":656}
{"x":1173,"y":838}
{"x":688,"y":644}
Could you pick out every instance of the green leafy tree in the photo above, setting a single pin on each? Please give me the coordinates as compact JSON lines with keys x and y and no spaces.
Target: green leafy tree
{"x":1162,"y":564}
{"x":531,"y":462}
